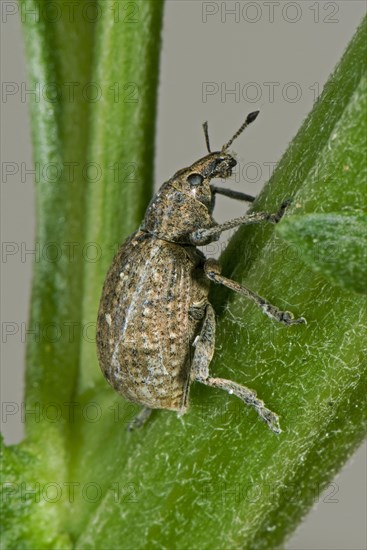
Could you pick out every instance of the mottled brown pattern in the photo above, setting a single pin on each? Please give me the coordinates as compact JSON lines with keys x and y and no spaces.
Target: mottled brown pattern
{"x":156,"y":328}
{"x":146,"y":351}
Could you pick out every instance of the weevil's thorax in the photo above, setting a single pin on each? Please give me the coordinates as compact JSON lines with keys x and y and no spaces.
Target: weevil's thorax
{"x":185,"y":202}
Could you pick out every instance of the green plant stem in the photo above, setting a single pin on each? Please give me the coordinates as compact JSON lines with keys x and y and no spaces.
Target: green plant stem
{"x":59,"y":122}
{"x":216,"y":478}
{"x":60,"y":136}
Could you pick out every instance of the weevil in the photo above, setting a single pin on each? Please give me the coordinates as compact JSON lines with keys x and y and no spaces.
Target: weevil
{"x":156,"y":326}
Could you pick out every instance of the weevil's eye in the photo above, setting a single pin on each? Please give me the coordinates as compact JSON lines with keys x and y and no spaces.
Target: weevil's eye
{"x":195,"y":179}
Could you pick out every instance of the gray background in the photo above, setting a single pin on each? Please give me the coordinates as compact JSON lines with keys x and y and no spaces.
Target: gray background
{"x":222,"y":51}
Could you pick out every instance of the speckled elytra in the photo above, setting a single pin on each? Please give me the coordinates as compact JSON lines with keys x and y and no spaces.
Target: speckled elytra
{"x":156,"y":327}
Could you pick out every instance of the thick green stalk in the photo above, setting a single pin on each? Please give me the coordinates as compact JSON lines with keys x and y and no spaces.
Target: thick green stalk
{"x":59,"y":122}
{"x":218,"y":478}
{"x":60,"y":136}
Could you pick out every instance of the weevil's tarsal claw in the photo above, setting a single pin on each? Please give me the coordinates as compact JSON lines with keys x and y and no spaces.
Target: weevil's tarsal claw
{"x":271,"y":419}
{"x":287,"y":318}
{"x":282,"y":210}
{"x":300,"y":321}
{"x":285,"y":204}
{"x":139,"y":420}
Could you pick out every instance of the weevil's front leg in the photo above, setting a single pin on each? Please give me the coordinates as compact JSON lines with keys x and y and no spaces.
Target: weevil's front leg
{"x":212,"y":271}
{"x":237,"y":195}
{"x":204,"y":350}
{"x":140,"y":419}
{"x":204,"y":236}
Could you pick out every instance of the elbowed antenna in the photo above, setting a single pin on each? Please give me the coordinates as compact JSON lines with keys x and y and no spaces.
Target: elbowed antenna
{"x":250,"y":118}
{"x":206,"y":134}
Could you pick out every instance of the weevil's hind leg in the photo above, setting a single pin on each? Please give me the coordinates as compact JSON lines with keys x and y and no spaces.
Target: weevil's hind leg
{"x":237,"y":195}
{"x":204,"y":350}
{"x":212,"y":270}
{"x":249,"y":397}
{"x":140,"y":419}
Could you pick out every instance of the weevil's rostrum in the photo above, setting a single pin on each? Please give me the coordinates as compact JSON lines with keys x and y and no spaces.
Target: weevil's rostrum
{"x":156,"y":327}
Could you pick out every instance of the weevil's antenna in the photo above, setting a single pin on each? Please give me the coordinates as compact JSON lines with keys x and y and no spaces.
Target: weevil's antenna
{"x":250,"y":118}
{"x":205,"y":126}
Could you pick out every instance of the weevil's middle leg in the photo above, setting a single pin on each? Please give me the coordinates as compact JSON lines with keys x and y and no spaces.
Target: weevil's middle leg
{"x":204,"y":350}
{"x":212,"y":271}
{"x":237,"y":195}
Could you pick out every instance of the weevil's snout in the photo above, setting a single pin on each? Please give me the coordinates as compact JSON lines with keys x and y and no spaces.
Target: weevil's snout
{"x":228,"y":163}
{"x":223,"y":166}
{"x":195,"y":180}
{"x":217,"y":165}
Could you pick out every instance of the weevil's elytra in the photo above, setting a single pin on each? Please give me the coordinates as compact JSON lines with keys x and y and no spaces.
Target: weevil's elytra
{"x":156,"y":327}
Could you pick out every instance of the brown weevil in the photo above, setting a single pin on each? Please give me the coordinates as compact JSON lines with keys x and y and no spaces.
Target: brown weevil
{"x":156,"y":327}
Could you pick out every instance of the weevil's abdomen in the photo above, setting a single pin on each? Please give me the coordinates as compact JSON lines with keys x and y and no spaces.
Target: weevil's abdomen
{"x":144,"y":331}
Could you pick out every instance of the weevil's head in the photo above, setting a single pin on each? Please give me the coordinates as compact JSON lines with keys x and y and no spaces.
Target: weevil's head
{"x":195,"y":180}
{"x":218,"y":164}
{"x":185,"y":202}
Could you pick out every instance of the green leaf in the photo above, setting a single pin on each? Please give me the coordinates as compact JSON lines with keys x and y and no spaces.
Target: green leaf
{"x":331,"y":244}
